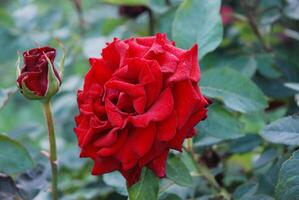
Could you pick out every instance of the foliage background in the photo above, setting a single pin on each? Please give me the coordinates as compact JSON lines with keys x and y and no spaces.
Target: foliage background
{"x":252,"y":78}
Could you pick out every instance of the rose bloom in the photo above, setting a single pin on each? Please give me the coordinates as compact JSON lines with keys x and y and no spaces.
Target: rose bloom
{"x":139,"y":100}
{"x":33,"y":80}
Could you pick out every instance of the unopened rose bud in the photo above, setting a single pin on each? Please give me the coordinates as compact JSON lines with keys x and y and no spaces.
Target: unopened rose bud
{"x":132,"y":11}
{"x":38,"y":79}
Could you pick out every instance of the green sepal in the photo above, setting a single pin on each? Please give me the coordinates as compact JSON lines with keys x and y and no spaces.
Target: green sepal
{"x":61,"y":67}
{"x":18,"y":70}
{"x":53,"y":81}
{"x":28,"y":93}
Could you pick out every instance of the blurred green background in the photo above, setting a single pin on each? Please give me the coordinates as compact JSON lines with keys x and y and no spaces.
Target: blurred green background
{"x":229,"y":142}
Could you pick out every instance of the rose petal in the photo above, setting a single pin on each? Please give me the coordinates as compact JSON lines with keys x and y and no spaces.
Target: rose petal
{"x":135,"y":91}
{"x":187,"y":130}
{"x":158,"y":165}
{"x":159,"y":111}
{"x":132,"y":175}
{"x":188,"y":67}
{"x":107,"y":139}
{"x":99,"y":73}
{"x":167,"y":128}
{"x":104,"y":165}
{"x":108,"y":151}
{"x":187,"y":100}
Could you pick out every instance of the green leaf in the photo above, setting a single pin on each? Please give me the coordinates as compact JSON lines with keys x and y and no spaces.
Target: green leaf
{"x":245,"y":190}
{"x":198,"y":21}
{"x":287,"y":187}
{"x":126,"y":2}
{"x":220,"y":124}
{"x":13,"y":156}
{"x":146,"y":189}
{"x":246,"y":65}
{"x":5,"y":94}
{"x":283,"y":131}
{"x":236,"y":91}
{"x":266,"y":66}
{"x":244,"y":144}
{"x":178,"y":172}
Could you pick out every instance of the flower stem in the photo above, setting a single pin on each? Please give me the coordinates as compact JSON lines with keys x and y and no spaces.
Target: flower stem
{"x":52,"y":144}
{"x":207,"y":175}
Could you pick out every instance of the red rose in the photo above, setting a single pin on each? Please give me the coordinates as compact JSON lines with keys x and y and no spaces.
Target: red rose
{"x":226,"y":14}
{"x":38,"y":77}
{"x":139,"y":100}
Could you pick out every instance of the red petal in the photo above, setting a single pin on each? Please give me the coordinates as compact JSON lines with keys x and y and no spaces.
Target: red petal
{"x":187,"y":130}
{"x":132,"y":175}
{"x":107,"y":139}
{"x":104,"y":165}
{"x":187,"y":101}
{"x":167,"y":128}
{"x":138,"y":144}
{"x":135,"y":91}
{"x":188,"y":68}
{"x":99,"y":73}
{"x":108,"y":151}
{"x":158,"y":165}
{"x":115,"y":53}
{"x":37,"y":82}
{"x":113,"y":113}
{"x":142,"y":139}
{"x":159,"y":111}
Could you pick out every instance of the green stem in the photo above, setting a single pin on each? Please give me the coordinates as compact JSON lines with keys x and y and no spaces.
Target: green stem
{"x":207,"y":175}
{"x":52,"y":143}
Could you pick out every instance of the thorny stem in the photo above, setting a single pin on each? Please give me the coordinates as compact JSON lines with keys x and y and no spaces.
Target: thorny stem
{"x":250,"y":14}
{"x":52,"y":144}
{"x":207,"y":175}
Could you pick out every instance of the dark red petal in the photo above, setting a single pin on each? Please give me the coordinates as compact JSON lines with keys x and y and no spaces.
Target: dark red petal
{"x":132,"y":175}
{"x":107,"y":139}
{"x":108,"y":151}
{"x":115,"y":53}
{"x":159,"y":111}
{"x":187,"y":130}
{"x":135,"y":91}
{"x":113,"y":113}
{"x":157,"y":148}
{"x":139,"y":142}
{"x":142,"y":139}
{"x":104,"y":165}
{"x":99,"y":73}
{"x":167,"y":128}
{"x":136,"y":50}
{"x":158,"y":165}
{"x":188,"y":67}
{"x":153,"y":89}
{"x":36,"y":82}
{"x":187,"y":101}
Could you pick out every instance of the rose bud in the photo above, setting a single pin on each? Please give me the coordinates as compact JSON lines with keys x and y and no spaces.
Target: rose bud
{"x":38,"y":79}
{"x":131,"y":11}
{"x":139,"y":100}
